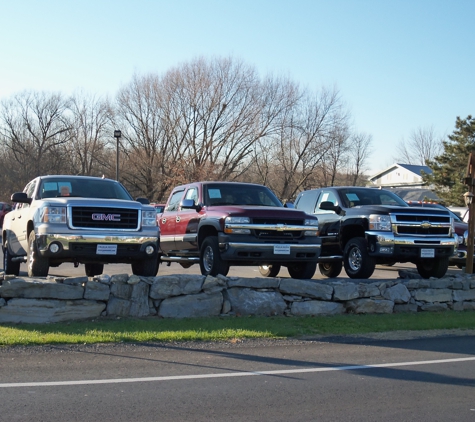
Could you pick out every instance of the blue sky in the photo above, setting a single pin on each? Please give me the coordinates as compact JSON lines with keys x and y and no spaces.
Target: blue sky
{"x":399,"y":65}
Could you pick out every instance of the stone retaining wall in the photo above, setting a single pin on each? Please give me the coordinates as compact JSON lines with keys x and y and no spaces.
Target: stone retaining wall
{"x":55,"y":299}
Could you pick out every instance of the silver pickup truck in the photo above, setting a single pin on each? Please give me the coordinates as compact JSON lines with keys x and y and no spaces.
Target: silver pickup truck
{"x":79,"y":219}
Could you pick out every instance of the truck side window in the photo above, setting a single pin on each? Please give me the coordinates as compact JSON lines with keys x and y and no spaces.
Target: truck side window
{"x":192,"y":193}
{"x":326,"y":196}
{"x":306,"y":201}
{"x":174,"y":201}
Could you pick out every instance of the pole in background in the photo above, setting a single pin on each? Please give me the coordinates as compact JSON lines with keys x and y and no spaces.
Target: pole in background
{"x":117,"y":136}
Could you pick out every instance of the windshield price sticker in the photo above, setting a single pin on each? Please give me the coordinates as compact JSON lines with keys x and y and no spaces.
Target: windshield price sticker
{"x":427,"y":253}
{"x":282,"y":249}
{"x":106,"y":249}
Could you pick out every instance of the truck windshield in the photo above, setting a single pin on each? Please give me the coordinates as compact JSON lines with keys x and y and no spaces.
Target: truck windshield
{"x":354,"y":197}
{"x":84,"y":188}
{"x":237,"y":194}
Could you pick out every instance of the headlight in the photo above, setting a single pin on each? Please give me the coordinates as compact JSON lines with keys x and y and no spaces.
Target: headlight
{"x":53,"y":215}
{"x":380,"y":222}
{"x":236,"y":221}
{"x":314,"y":224}
{"x":149,"y":218}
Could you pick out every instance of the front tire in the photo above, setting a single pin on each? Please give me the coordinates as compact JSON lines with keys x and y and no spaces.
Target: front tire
{"x":37,"y":265}
{"x":302,"y":270}
{"x":269,"y":270}
{"x":9,"y":266}
{"x":330,"y":269}
{"x":210,"y":258}
{"x":146,"y":267}
{"x":356,"y":259}
{"x":428,"y":268}
{"x":94,"y":269}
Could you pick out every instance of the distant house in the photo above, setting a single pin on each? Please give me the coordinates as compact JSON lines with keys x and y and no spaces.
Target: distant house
{"x":400,"y":176}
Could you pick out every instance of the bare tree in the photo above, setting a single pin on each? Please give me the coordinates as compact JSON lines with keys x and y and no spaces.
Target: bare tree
{"x":337,"y":155}
{"x":225,"y":110}
{"x":423,"y":145}
{"x":34,"y":125}
{"x":145,"y":147}
{"x":359,"y":152}
{"x":304,"y":138}
{"x":90,"y":123}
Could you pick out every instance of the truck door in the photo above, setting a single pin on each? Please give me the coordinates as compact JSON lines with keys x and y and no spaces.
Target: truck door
{"x":328,"y":222}
{"x":186,"y":239}
{"x":168,"y":221}
{"x":18,"y":236}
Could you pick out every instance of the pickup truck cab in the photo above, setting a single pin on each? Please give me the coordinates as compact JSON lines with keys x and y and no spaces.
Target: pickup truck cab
{"x":79,"y":219}
{"x":222,"y":224}
{"x":361,"y":227}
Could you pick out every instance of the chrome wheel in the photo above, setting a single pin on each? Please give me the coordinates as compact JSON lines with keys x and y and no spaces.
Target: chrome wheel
{"x":355,"y":259}
{"x":208,"y":258}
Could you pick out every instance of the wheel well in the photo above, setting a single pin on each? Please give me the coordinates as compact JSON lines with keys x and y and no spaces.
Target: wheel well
{"x":350,"y":233}
{"x":204,"y":232}
{"x":29,"y":228}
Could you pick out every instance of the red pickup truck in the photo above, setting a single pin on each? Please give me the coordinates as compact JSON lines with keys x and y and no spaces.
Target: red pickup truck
{"x":223,"y":224}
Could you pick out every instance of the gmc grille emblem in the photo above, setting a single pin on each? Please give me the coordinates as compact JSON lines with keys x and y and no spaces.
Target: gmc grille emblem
{"x":106,"y":217}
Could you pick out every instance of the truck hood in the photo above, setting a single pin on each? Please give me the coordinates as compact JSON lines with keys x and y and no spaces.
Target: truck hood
{"x":94,"y":202}
{"x":385,"y":209}
{"x":257,"y":211}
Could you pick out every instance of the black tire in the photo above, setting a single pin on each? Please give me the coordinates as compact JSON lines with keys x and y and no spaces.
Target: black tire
{"x":302,"y":270}
{"x":269,"y":270}
{"x":9,"y":266}
{"x":330,"y":269}
{"x":146,"y":268}
{"x":432,"y":267}
{"x":37,"y":265}
{"x":210,"y":258}
{"x":94,"y":269}
{"x":356,"y":259}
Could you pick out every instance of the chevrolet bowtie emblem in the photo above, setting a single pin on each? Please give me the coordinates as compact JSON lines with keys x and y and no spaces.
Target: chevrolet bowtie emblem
{"x":281,"y":227}
{"x":426,"y":225}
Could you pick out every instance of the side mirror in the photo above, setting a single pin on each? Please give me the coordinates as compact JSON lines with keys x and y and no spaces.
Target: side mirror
{"x":189,"y":204}
{"x":330,"y":206}
{"x":143,"y":201}
{"x":21,"y":197}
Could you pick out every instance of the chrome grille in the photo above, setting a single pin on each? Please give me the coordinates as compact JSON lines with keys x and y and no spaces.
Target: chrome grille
{"x":274,"y":234}
{"x":422,"y":224}
{"x":104,"y":218}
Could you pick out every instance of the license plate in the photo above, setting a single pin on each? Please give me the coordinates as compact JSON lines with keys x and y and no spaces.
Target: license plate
{"x":282,"y":249}
{"x":427,"y":253}
{"x":106,"y":250}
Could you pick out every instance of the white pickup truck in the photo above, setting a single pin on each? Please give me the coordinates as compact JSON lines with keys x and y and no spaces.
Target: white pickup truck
{"x":79,"y":219}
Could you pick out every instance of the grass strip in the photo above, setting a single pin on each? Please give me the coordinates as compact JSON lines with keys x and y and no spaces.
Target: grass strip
{"x":225,"y":328}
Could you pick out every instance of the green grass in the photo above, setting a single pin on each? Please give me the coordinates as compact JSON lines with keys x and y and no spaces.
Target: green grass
{"x":225,"y":329}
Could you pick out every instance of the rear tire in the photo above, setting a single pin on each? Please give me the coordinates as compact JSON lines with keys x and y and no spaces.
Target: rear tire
{"x":432,"y":267}
{"x":37,"y":265}
{"x":302,"y":270}
{"x":210,"y":258}
{"x":269,"y":270}
{"x":330,"y":269}
{"x":146,"y":267}
{"x":9,"y":266}
{"x":94,"y":269}
{"x":356,"y":259}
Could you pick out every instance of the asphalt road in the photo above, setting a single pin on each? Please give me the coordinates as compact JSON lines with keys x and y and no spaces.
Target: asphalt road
{"x":328,"y":379}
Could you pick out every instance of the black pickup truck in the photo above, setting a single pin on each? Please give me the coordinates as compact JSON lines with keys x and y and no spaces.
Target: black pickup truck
{"x":361,"y":227}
